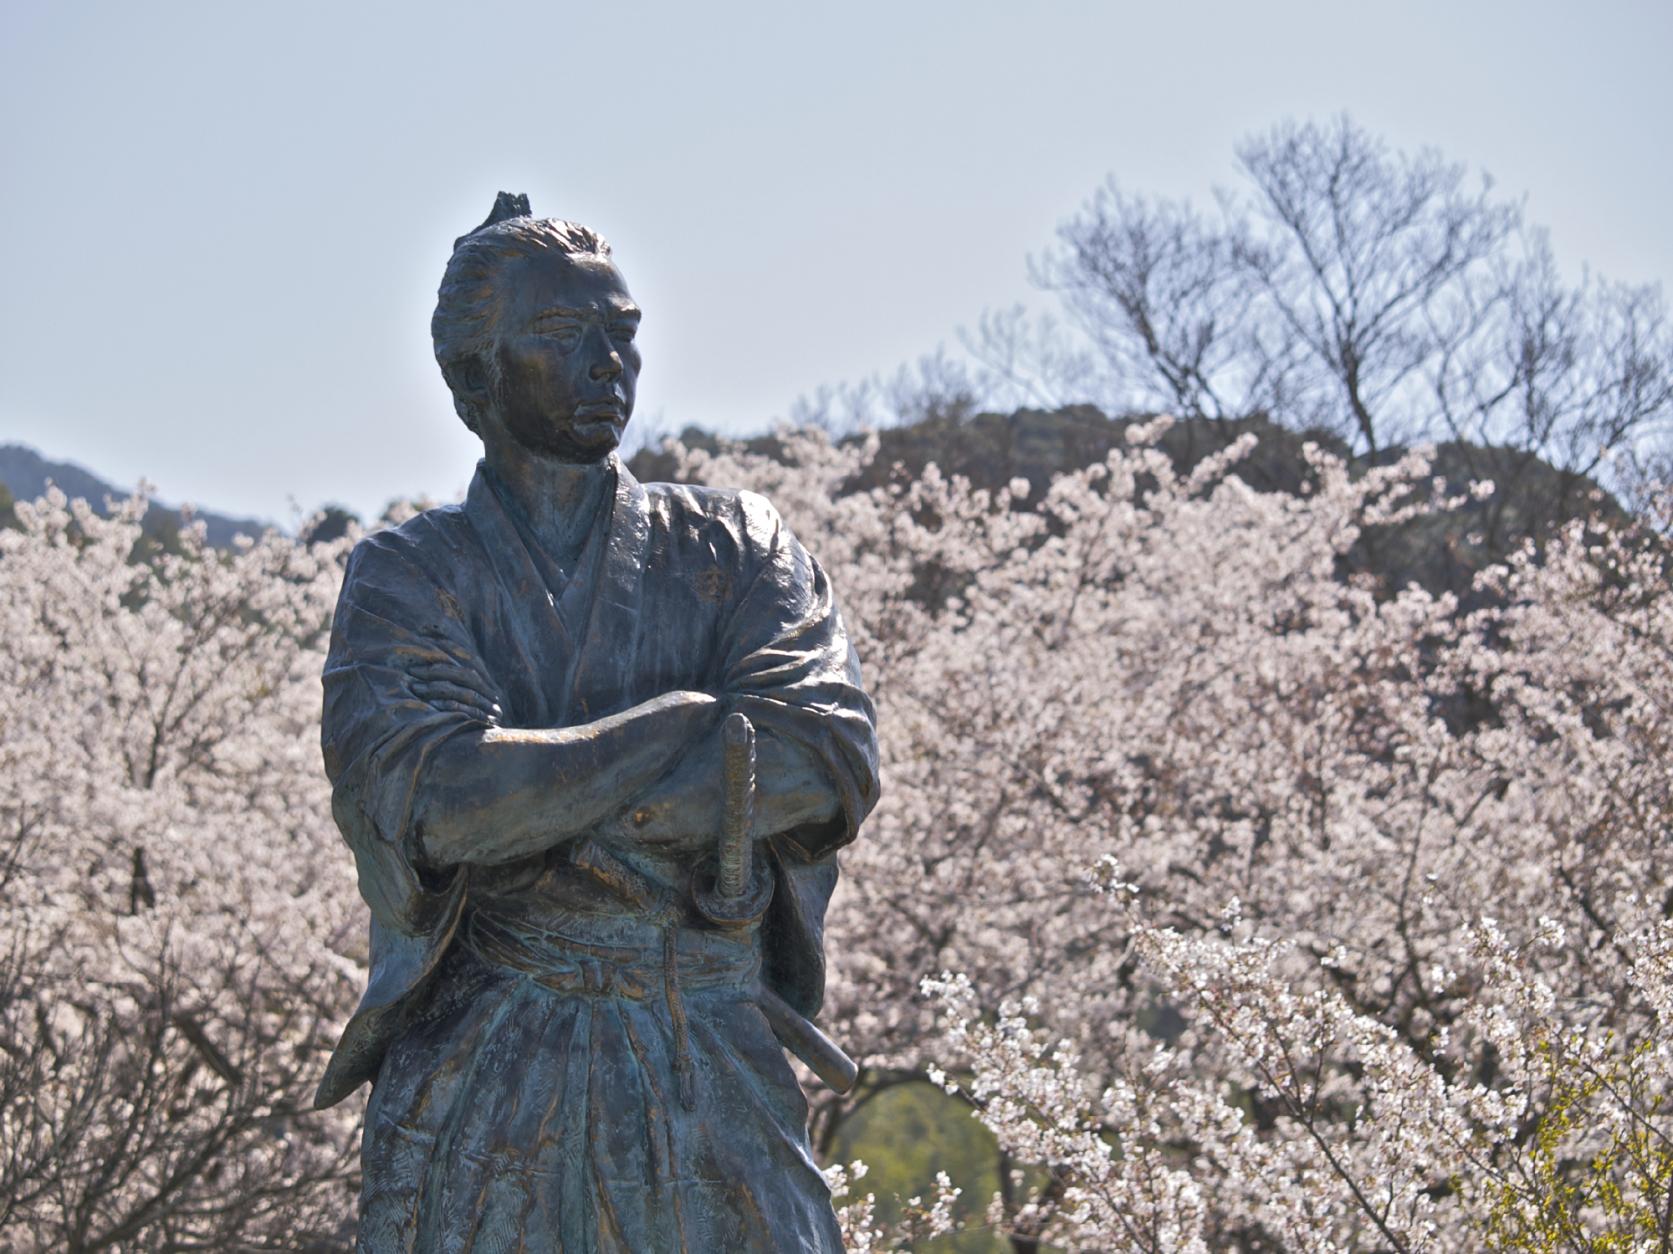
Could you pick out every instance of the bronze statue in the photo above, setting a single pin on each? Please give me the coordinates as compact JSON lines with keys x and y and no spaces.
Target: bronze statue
{"x":594,"y":744}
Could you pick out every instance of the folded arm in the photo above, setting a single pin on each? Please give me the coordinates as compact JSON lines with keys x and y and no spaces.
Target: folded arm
{"x":491,"y":794}
{"x":783,"y":660}
{"x":684,"y":809}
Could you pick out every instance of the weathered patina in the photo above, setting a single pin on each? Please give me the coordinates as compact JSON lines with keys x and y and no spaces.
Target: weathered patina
{"x":594,"y":744}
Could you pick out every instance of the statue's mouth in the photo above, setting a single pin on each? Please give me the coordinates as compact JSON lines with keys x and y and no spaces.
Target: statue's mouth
{"x":601,"y":409}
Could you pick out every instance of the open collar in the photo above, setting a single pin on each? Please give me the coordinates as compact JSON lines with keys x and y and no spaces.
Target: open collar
{"x":617,"y":595}
{"x":571,"y":642}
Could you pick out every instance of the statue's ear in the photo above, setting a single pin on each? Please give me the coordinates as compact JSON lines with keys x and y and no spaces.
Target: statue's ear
{"x":467,"y":378}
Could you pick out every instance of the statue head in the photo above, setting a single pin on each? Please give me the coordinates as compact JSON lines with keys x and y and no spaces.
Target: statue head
{"x":534,"y":331}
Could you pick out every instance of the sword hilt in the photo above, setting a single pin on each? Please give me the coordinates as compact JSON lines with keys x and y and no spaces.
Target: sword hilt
{"x":738,"y":741}
{"x":737,"y":896}
{"x":731,"y":890}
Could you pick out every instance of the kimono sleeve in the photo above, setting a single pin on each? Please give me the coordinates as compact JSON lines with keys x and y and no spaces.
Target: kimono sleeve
{"x":790,"y":667}
{"x":394,"y":618}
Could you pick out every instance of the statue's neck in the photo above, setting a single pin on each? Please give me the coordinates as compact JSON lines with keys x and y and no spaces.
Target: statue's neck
{"x":558,"y":500}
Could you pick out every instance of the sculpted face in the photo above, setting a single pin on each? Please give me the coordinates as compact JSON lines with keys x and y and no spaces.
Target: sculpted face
{"x":565,"y":357}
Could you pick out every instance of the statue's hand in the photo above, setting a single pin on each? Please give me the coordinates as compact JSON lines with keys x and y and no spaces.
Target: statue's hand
{"x":660,"y":825}
{"x":681,"y":811}
{"x":448,"y":688}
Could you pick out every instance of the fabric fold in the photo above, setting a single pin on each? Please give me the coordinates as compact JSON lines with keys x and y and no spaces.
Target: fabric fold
{"x":678,"y":588}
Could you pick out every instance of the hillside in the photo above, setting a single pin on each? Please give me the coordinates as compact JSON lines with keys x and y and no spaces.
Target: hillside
{"x":1440,"y":552}
{"x":24,"y":475}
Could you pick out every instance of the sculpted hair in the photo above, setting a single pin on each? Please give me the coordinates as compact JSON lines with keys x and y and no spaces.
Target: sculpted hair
{"x":462,"y":327}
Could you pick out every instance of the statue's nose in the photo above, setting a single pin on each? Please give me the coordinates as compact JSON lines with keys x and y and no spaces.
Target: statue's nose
{"x":609,"y":367}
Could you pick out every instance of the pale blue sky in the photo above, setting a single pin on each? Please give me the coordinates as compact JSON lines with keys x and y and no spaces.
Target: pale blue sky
{"x":223,"y":224}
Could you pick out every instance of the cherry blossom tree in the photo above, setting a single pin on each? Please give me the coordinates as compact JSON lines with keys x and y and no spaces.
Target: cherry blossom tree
{"x":1292,"y":910}
{"x":1250,"y":902}
{"x":181,"y":929}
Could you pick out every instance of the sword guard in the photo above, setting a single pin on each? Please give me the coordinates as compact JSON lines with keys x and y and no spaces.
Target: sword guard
{"x":725,"y":911}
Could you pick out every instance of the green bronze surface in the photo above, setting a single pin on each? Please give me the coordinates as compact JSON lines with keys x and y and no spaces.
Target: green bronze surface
{"x":597,"y":915}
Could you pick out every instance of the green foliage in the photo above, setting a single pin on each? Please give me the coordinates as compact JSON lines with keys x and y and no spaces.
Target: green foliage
{"x":905,"y":1135}
{"x":1560,"y":1196}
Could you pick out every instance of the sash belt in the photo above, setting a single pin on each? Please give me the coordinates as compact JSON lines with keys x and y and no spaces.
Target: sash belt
{"x":577,"y":968}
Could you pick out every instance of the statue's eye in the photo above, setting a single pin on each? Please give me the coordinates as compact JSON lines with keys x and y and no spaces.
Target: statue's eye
{"x":623,"y":331}
{"x":565,"y":333}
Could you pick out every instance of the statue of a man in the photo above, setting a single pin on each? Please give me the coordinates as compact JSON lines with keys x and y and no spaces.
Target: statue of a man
{"x":573,"y":1046}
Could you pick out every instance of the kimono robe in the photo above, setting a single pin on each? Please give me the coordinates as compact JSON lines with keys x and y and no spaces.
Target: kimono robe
{"x":565,"y":1055}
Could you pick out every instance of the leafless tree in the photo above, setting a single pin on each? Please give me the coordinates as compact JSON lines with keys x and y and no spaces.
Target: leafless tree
{"x":1383,"y":297}
{"x":1350,"y":247}
{"x":1025,"y":359}
{"x":1158,"y":290}
{"x":934,"y":387}
{"x":1539,"y":376}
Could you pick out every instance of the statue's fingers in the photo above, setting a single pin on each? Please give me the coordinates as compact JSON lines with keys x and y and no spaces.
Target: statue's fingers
{"x":472,"y":710}
{"x":455,"y":677}
{"x":444,"y":690}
